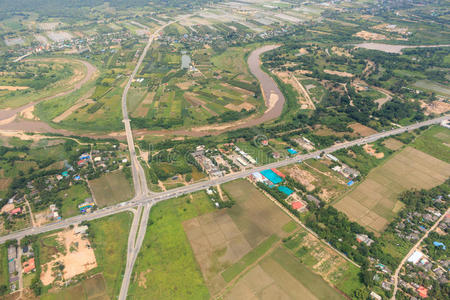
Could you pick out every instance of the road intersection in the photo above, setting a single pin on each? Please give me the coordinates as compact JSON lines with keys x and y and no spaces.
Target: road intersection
{"x":144,"y":199}
{"x":162,"y":196}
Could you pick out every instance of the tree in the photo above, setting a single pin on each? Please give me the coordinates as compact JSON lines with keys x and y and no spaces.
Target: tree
{"x":361,"y":294}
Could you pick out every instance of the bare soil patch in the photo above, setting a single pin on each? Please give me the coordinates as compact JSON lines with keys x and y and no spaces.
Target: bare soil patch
{"x":370,"y":150}
{"x":370,"y":35}
{"x":28,"y":113}
{"x":338,"y":73}
{"x":144,"y":106}
{"x":435,"y":107}
{"x":195,"y":101}
{"x":13,"y":88}
{"x":304,"y":177}
{"x":362,"y":129}
{"x":238,"y":89}
{"x":185,"y":85}
{"x":341,"y":52}
{"x":4,"y":183}
{"x":247,"y":106}
{"x":79,"y":257}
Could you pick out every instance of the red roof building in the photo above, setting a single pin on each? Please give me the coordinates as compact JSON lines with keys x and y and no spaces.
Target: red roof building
{"x":15,"y":211}
{"x":297,"y":205}
{"x":423,"y":292}
{"x":29,"y":265}
{"x":278,"y":173}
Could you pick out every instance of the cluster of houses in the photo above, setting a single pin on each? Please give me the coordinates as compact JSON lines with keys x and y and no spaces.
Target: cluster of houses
{"x":74,"y":44}
{"x":416,"y":223}
{"x":419,"y":266}
{"x":216,"y":163}
{"x":208,"y":166}
{"x":20,"y":258}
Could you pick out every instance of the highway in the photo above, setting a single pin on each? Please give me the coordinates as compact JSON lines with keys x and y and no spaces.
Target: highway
{"x":138,"y":229}
{"x":161,"y":196}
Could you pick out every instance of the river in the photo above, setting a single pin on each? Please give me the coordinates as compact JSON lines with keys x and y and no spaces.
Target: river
{"x":273,"y":98}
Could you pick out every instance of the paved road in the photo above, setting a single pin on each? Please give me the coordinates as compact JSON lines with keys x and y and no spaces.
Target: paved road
{"x":158,"y":197}
{"x":138,"y":229}
{"x":397,"y":271}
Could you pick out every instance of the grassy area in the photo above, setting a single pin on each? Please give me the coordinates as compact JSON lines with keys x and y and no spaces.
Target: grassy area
{"x":289,"y":227}
{"x":109,"y":238}
{"x":166,"y":267}
{"x":48,"y":247}
{"x":434,"y":141}
{"x":111,"y":188}
{"x":91,"y":288}
{"x":4,"y":275}
{"x":249,"y":258}
{"x":72,"y":197}
{"x":55,"y":76}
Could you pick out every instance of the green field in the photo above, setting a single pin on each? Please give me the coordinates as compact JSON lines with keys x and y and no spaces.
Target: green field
{"x":109,"y":237}
{"x":4,"y":276}
{"x":91,"y":288}
{"x":166,"y":267}
{"x":289,"y":227}
{"x":434,"y":141}
{"x":111,"y":188}
{"x":48,"y":247}
{"x":53,"y":76}
{"x":72,"y":197}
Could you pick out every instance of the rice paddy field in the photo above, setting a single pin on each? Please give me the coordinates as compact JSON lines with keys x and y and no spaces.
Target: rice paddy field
{"x":373,"y":203}
{"x":218,"y":87}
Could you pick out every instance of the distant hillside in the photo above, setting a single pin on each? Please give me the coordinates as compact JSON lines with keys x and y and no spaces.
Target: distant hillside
{"x":74,"y":8}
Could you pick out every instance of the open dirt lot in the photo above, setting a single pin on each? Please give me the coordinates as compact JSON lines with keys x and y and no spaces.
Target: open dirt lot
{"x":240,"y":107}
{"x":374,"y":203}
{"x":370,"y":35}
{"x":13,"y":88}
{"x":338,"y":73}
{"x":436,"y":107}
{"x":370,"y":150}
{"x":302,"y":176}
{"x":78,"y":258}
{"x":361,"y":129}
